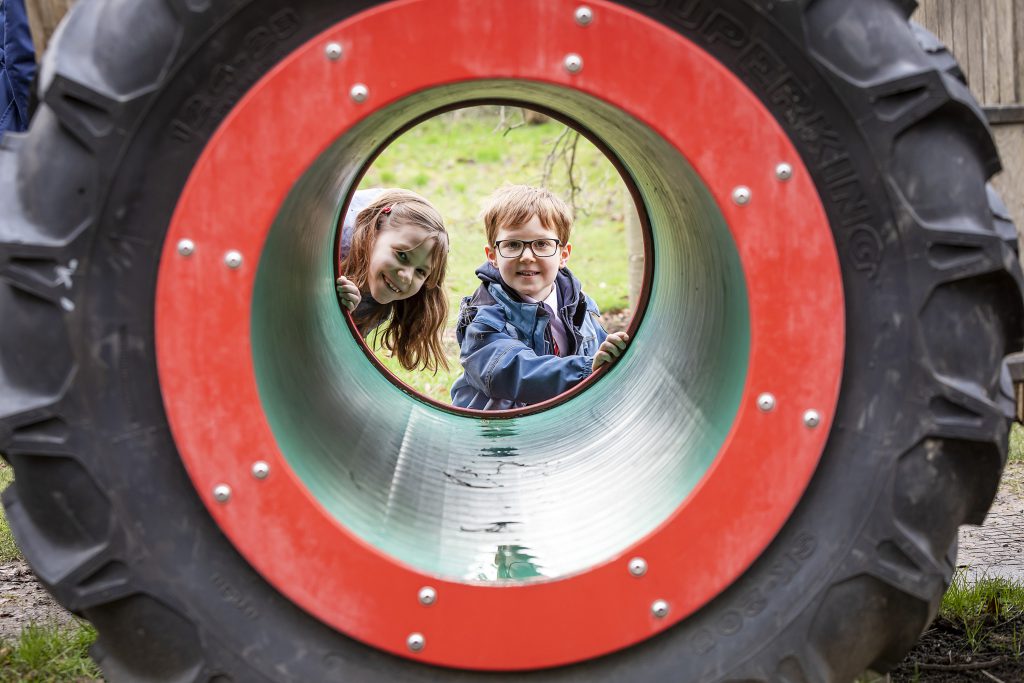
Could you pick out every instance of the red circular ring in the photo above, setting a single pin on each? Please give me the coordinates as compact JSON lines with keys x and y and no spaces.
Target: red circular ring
{"x":203,"y":328}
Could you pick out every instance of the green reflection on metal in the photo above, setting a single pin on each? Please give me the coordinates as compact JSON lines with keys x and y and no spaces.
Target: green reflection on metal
{"x":514,"y":562}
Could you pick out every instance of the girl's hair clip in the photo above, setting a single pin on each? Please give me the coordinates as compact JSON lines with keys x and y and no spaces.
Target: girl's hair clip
{"x":386,"y":210}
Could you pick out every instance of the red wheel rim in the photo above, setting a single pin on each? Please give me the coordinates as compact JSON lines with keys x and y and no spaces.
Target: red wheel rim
{"x":203,"y":320}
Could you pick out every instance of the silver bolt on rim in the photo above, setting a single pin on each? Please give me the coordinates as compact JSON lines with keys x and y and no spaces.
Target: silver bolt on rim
{"x":638,"y":566}
{"x":233,"y":259}
{"x":260,"y":470}
{"x":359,"y":92}
{"x":812,"y":418}
{"x":584,"y":15}
{"x":222,"y":493}
{"x":333,"y":51}
{"x":416,"y":641}
{"x":783,"y":171}
{"x":766,"y":402}
{"x":428,"y":595}
{"x":741,"y":195}
{"x":186,"y":247}
{"x":573,"y":63}
{"x":659,"y":608}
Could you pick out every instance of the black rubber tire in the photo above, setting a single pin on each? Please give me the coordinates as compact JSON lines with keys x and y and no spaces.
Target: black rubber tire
{"x":110,"y":523}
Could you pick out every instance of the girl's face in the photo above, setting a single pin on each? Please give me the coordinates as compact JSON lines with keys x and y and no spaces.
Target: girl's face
{"x":400,"y":262}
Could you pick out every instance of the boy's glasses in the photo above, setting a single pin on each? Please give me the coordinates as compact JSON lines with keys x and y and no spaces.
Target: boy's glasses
{"x":540,"y":248}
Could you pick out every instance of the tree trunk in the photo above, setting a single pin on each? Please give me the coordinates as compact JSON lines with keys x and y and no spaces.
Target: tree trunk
{"x":635,"y":249}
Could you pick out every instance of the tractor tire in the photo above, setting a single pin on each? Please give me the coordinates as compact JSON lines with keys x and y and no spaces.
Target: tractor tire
{"x":112,"y":525}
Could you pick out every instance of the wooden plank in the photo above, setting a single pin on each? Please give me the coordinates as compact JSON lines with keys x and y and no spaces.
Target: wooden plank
{"x":947,"y":22}
{"x":934,"y":16}
{"x":923,"y":15}
{"x":43,"y":17}
{"x":1005,"y":49}
{"x":975,"y":51}
{"x":988,"y":33}
{"x":1018,"y":49}
{"x":958,"y":38}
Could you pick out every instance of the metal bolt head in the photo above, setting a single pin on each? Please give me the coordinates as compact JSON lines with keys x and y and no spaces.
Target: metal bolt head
{"x":333,"y":51}
{"x":222,"y":493}
{"x":573,"y":63}
{"x":428,"y":596}
{"x":359,"y":92}
{"x":260,"y":469}
{"x":584,"y":15}
{"x":659,"y":608}
{"x":766,"y":402}
{"x":638,"y":566}
{"x":741,"y":195}
{"x":783,"y":171}
{"x":186,"y":247}
{"x":233,"y":259}
{"x":416,"y":641}
{"x":812,"y":418}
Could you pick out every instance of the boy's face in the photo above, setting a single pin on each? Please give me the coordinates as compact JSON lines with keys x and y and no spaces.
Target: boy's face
{"x":530,"y":275}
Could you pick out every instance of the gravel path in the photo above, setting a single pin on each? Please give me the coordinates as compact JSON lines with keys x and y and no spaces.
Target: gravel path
{"x":996,"y":548}
{"x":24,"y":601}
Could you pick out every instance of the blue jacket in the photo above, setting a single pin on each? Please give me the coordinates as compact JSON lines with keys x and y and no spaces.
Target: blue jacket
{"x":507,"y":354}
{"x":17,"y":66}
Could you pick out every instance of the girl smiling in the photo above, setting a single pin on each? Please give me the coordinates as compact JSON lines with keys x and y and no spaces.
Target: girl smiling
{"x":394,"y":254}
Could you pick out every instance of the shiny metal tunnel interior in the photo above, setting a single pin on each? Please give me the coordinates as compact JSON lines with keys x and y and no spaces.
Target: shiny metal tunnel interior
{"x":546,"y":494}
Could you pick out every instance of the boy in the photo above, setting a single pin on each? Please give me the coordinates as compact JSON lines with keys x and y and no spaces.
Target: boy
{"x":529,"y":332}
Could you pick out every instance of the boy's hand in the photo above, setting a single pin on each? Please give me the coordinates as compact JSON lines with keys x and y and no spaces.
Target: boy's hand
{"x":348,"y":293}
{"x":610,"y":349}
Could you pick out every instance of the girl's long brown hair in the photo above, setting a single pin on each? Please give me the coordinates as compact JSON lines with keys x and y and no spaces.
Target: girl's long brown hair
{"x":414,"y":327}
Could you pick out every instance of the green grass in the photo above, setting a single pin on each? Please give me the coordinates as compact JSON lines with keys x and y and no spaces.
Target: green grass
{"x":48,"y":652}
{"x":8,"y":550}
{"x":1016,"y":443}
{"x":457,"y":159}
{"x":981,"y":606}
{"x":42,"y":652}
{"x":986,"y":621}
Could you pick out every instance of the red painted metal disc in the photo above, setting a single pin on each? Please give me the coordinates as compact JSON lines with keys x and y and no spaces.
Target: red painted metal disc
{"x":203,"y":321}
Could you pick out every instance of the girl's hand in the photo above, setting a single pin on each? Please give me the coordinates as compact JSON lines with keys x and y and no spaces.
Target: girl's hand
{"x":348,"y":293}
{"x":610,"y":349}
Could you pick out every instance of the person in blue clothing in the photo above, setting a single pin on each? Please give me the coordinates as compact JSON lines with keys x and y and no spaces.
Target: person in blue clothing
{"x":17,"y":66}
{"x":393,"y":258}
{"x":529,"y":332}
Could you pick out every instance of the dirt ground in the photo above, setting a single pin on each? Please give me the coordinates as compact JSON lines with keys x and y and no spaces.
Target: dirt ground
{"x":943,"y":655}
{"x":24,"y":601}
{"x":996,"y":549}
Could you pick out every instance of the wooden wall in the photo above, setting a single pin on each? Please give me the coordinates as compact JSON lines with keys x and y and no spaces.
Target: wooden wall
{"x":43,"y":17}
{"x":987,"y":37}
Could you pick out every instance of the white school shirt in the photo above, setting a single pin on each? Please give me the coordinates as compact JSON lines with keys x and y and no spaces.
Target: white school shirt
{"x":556,"y":324}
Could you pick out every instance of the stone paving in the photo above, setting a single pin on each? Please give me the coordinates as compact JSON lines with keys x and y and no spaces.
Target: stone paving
{"x":996,"y":548}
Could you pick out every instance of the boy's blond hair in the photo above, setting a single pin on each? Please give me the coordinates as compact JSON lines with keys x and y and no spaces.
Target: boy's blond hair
{"x":516,"y":204}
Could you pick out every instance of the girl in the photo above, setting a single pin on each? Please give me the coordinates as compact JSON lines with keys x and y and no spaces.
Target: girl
{"x":394,"y":253}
